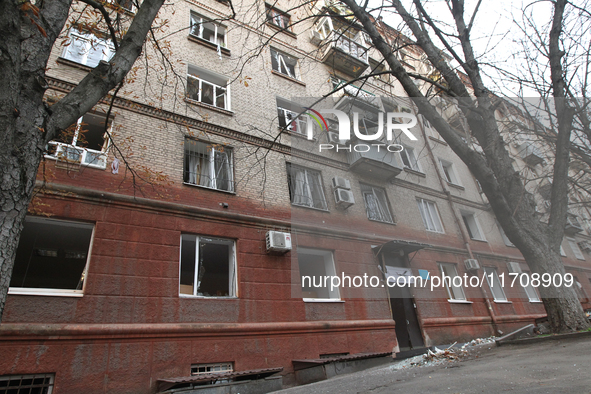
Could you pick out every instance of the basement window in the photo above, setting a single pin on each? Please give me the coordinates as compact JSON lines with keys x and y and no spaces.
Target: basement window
{"x":207,"y":267}
{"x":206,"y":369}
{"x":52,"y":257}
{"x":85,"y":142}
{"x":29,"y":384}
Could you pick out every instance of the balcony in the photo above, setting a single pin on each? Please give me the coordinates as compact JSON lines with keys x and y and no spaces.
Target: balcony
{"x":344,"y":54}
{"x":572,"y":225}
{"x":376,"y":163}
{"x":530,"y":154}
{"x":76,"y":155}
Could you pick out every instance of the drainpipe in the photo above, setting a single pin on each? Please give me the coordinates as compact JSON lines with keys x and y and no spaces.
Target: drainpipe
{"x":465,"y":236}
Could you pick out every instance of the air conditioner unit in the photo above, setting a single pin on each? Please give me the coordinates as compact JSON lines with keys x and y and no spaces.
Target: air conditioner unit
{"x":333,"y":138}
{"x":344,"y":198}
{"x":315,"y":37}
{"x":585,"y":245}
{"x":278,"y":242}
{"x":471,"y":264}
{"x":343,"y":183}
{"x":514,"y":267}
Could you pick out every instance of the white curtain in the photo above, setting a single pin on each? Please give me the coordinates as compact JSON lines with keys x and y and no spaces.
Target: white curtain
{"x":300,"y":188}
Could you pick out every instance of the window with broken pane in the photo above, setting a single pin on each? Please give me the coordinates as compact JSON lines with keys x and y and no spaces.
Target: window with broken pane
{"x":208,"y":266}
{"x":283,"y":63}
{"x":208,"y":88}
{"x":52,"y":255}
{"x":305,"y":187}
{"x":209,"y":165}
{"x":87,"y":49}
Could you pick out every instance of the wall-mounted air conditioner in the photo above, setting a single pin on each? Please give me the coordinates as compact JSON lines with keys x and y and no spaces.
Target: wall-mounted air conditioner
{"x":344,"y":198}
{"x":471,"y":264}
{"x":278,"y":242}
{"x":343,"y":183}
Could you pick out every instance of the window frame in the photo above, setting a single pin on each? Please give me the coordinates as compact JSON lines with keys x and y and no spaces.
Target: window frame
{"x":205,"y":20}
{"x":451,"y":294}
{"x":272,"y":13}
{"x":291,"y":119}
{"x":413,"y":161}
{"x":63,"y":150}
{"x":202,"y":75}
{"x":499,"y":297}
{"x":385,"y":203}
{"x":575,"y":248}
{"x":56,"y":292}
{"x":471,"y":224}
{"x":330,"y":269}
{"x":281,"y":57}
{"x":91,"y":41}
{"x":290,"y":167}
{"x":49,"y":385}
{"x":449,"y":172}
{"x":211,"y":160}
{"x":421,"y":204}
{"x":506,"y":239}
{"x":232,"y":270}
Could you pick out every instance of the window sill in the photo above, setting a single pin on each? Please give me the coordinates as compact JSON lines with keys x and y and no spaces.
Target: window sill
{"x":75,"y":164}
{"x":536,"y":302}
{"x":282,"y":30}
{"x":338,"y":300}
{"x":288,"y":77}
{"x":459,"y":301}
{"x":208,"y":297}
{"x":456,"y":186}
{"x":503,"y":302}
{"x":209,"y":188}
{"x":307,"y":207}
{"x":415,"y":172}
{"x":295,"y":134}
{"x":479,"y":240}
{"x":381,"y":221}
{"x":209,"y":44}
{"x":435,"y":232}
{"x":442,"y":142}
{"x":208,"y":106}
{"x":45,"y":292}
{"x":74,"y":64}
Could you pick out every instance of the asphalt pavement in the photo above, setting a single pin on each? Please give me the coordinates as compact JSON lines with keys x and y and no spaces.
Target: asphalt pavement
{"x":558,"y":366}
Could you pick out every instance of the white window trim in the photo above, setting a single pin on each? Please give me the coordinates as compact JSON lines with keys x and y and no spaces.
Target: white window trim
{"x":272,"y":13}
{"x":232,"y":275}
{"x":414,"y":162}
{"x":204,"y":20}
{"x":329,"y":262}
{"x":301,"y":124}
{"x":281,"y":61}
{"x":488,"y":271}
{"x":476,"y":223}
{"x":450,"y":294}
{"x":575,"y":248}
{"x":216,"y":86}
{"x":212,"y":175}
{"x":62,"y":148}
{"x":449,"y":168}
{"x":424,"y":203}
{"x":307,"y":172}
{"x":58,"y":292}
{"x":385,"y":202}
{"x":506,"y":239}
{"x":90,"y":41}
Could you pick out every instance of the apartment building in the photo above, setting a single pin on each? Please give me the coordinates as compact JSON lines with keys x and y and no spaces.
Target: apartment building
{"x":125,"y":281}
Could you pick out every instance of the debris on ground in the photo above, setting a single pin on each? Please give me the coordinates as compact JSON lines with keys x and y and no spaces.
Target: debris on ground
{"x":478,"y":341}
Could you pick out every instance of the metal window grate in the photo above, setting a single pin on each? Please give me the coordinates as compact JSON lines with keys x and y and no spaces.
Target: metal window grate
{"x":208,"y":165}
{"x":27,"y":384}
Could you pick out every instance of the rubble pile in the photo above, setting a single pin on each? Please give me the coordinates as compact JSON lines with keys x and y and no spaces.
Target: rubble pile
{"x":478,"y":341}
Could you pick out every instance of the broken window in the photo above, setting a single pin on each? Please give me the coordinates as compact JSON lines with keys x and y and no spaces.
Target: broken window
{"x":29,"y":384}
{"x":208,"y":165}
{"x":208,"y":88}
{"x":454,"y":292}
{"x":315,"y":265}
{"x":409,"y":159}
{"x":208,"y":30}
{"x":87,"y":49}
{"x":449,"y":172}
{"x":205,"y":369}
{"x":305,"y":187}
{"x":85,"y":142}
{"x":283,"y":63}
{"x":208,"y":266}
{"x":494,"y":283}
{"x":472,"y":226}
{"x":278,"y":18}
{"x":376,"y":203}
{"x":52,"y":256}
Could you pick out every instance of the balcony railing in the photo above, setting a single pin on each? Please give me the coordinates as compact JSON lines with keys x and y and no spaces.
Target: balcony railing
{"x":344,"y":54}
{"x":77,"y":155}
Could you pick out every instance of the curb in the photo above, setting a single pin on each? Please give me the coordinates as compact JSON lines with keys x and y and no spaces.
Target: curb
{"x":557,"y":337}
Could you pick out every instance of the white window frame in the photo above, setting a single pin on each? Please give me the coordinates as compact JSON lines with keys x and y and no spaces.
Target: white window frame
{"x":90,"y":42}
{"x":506,"y":239}
{"x":212,"y":178}
{"x":410,"y":155}
{"x":575,"y":248}
{"x":291,"y":119}
{"x":197,"y":20}
{"x":472,"y":226}
{"x":282,"y":61}
{"x":211,"y":368}
{"x":530,"y":291}
{"x":455,"y":293}
{"x":217,"y":81}
{"x":562,"y":252}
{"x":495,"y":287}
{"x":324,"y":27}
{"x":232,"y":271}
{"x":449,"y":172}
{"x":430,"y":129}
{"x":329,"y":270}
{"x":381,"y":210}
{"x":55,"y":291}
{"x":72,"y":153}
{"x":430,"y":216}
{"x":307,"y":188}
